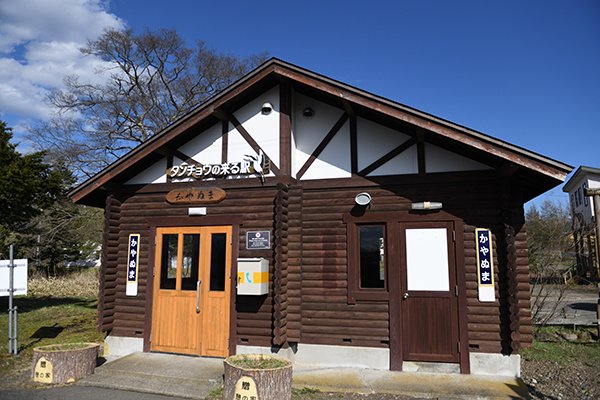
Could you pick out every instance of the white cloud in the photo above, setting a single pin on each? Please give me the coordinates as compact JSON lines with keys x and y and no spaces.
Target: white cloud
{"x":39,"y":46}
{"x":53,"y":20}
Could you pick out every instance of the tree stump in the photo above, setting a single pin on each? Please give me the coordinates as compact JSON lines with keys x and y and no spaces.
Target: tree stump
{"x":257,"y":377}
{"x":64,"y":363}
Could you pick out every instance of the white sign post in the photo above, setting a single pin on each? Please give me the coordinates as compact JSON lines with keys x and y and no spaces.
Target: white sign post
{"x":13,"y":280}
{"x":19,"y":277}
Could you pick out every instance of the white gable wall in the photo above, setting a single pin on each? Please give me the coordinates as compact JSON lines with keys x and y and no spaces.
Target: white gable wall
{"x":404,"y":163}
{"x":438,"y":159}
{"x":334,"y":160}
{"x":205,"y":147}
{"x":373,"y":142}
{"x":309,"y":132}
{"x":156,"y":173}
{"x":264,"y":129}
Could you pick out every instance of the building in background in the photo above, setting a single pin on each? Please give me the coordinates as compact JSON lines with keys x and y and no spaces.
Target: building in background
{"x":584,"y":220}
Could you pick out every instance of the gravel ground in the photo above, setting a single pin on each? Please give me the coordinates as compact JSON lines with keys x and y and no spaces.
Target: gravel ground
{"x":550,"y":380}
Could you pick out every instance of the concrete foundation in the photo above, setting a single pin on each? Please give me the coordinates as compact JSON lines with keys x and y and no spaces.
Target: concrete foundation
{"x":119,"y":346}
{"x":430,"y":367}
{"x":495,"y":364}
{"x":287,"y":353}
{"x":328,"y":356}
{"x":346,"y":356}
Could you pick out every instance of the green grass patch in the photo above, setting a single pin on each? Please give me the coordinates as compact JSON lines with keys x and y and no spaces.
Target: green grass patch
{"x":551,"y":345}
{"x":46,"y":321}
{"x":215,"y":394}
{"x":303,"y":391}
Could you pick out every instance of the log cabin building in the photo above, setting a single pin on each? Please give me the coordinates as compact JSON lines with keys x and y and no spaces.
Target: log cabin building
{"x":296,"y":214}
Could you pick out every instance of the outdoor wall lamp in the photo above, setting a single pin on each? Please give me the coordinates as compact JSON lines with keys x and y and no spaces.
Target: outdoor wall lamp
{"x":426,"y":205}
{"x":308,"y":112}
{"x":266,"y":108}
{"x":363,"y":199}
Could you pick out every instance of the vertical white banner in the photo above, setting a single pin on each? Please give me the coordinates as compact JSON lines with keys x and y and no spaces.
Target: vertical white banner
{"x":485,"y":265}
{"x":133,"y":257}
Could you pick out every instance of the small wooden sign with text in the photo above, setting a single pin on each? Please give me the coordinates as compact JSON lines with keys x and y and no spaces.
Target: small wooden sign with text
{"x":210,"y":195}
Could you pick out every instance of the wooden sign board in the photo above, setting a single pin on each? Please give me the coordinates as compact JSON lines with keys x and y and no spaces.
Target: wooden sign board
{"x":209,"y":195}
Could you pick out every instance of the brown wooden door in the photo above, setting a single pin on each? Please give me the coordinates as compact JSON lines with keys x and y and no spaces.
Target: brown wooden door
{"x":191,"y":291}
{"x":429,"y":302}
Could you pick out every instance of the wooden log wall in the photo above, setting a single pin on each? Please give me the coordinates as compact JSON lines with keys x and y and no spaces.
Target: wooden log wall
{"x":280,"y":266}
{"x":313,"y":268}
{"x":489,"y":324}
{"x":130,"y":310}
{"x":256,"y":205}
{"x":294,"y":283}
{"x":327,"y":318}
{"x":254,"y":313}
{"x":108,"y":273}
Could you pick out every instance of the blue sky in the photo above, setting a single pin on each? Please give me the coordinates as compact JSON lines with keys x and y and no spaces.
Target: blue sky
{"x":527,"y":72}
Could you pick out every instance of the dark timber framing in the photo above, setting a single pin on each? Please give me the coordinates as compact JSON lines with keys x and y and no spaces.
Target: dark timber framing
{"x":314,"y":295}
{"x":285,"y":128}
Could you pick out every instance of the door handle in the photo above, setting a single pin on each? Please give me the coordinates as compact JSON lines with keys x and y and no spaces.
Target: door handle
{"x":405,"y":296}
{"x":197,"y":296}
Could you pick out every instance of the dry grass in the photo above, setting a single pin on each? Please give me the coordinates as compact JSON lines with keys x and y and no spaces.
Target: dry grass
{"x":79,"y":284}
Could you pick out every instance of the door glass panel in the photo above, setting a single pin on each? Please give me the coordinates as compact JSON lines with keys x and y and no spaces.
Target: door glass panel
{"x":427,"y":259}
{"x":217,"y":262}
{"x":372,"y":256}
{"x":189,"y":264}
{"x":168,"y":264}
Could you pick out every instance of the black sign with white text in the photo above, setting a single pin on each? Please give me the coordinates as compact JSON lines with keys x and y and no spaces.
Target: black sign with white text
{"x":258,"y":240}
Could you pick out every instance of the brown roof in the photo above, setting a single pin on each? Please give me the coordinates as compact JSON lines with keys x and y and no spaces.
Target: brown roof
{"x":273,"y":71}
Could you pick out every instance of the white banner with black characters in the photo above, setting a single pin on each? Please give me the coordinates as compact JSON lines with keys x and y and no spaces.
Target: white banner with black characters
{"x":485,"y":265}
{"x":133,"y":259}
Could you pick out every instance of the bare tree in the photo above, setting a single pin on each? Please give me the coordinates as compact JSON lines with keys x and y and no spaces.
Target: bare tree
{"x":151,"y":80}
{"x":551,"y":257}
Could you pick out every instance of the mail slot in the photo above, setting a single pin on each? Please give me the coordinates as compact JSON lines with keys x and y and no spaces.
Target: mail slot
{"x":253,"y":276}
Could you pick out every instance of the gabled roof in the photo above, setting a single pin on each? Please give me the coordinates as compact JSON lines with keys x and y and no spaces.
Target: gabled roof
{"x":581,"y":172}
{"x":274,"y":71}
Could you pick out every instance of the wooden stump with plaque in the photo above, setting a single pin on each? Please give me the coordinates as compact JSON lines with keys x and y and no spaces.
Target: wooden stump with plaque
{"x":257,"y":377}
{"x":64,"y":363}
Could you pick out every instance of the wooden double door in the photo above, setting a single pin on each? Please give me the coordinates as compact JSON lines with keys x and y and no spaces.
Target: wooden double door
{"x":191,"y":301}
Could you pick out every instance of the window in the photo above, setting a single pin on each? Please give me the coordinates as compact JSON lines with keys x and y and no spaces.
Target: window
{"x":217,"y":262}
{"x":189,"y":263}
{"x":168,"y":266}
{"x":367,"y":261}
{"x":372,"y":256}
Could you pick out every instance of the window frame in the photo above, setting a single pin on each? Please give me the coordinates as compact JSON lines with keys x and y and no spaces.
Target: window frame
{"x":355,"y":292}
